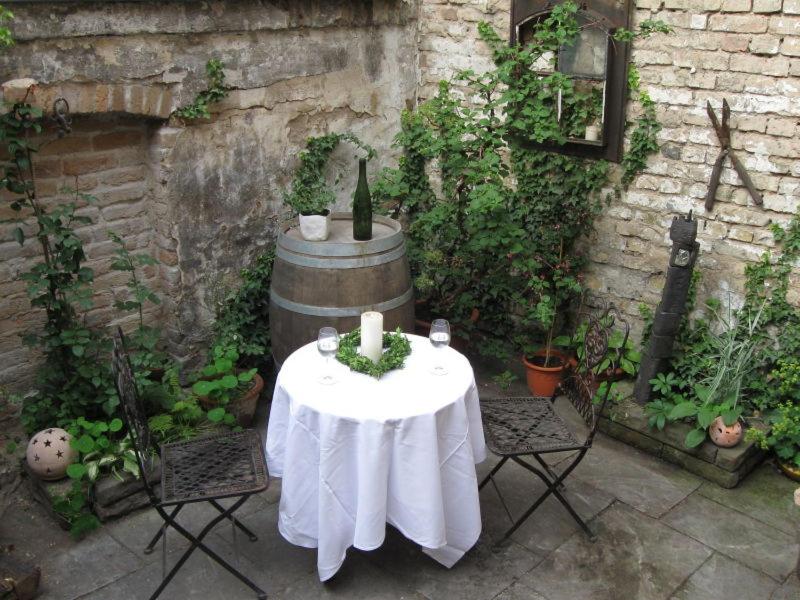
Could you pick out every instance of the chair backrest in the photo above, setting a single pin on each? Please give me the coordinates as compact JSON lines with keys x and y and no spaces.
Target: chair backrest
{"x":132,"y":411}
{"x":600,"y":358}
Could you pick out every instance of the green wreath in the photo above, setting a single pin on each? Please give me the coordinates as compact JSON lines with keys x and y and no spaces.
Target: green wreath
{"x":396,"y":349}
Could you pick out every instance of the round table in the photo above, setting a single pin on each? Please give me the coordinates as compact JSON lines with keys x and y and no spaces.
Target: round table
{"x":364,"y":452}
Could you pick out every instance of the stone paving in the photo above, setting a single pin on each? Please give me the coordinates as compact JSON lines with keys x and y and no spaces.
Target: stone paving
{"x":662,"y":534}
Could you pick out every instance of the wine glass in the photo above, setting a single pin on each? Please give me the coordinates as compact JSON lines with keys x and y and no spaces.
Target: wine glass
{"x":440,"y":338}
{"x":327,"y":344}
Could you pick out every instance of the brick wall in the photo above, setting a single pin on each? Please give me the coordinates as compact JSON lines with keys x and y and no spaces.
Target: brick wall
{"x":106,"y":157}
{"x":747,"y":51}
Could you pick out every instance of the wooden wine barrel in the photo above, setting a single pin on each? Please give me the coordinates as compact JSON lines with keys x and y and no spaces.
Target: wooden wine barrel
{"x":330,"y":283}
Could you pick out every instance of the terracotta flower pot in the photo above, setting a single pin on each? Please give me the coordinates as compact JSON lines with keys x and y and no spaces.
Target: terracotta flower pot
{"x":542,"y":381}
{"x":243,"y":407}
{"x":725,"y":436}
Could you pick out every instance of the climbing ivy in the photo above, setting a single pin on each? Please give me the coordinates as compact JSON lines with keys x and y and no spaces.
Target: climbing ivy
{"x":310,"y":193}
{"x":643,"y":140}
{"x":215,"y":92}
{"x":501,"y":236}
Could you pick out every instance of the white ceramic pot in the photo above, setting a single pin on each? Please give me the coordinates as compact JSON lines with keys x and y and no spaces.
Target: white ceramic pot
{"x":315,"y":228}
{"x":49,"y":453}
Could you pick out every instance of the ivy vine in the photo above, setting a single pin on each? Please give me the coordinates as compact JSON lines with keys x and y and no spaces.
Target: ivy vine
{"x":216,"y":91}
{"x":310,"y":193}
{"x":501,"y":237}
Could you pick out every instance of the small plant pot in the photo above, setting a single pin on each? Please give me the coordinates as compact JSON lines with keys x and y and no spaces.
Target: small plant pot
{"x":543,"y":381}
{"x":725,"y":436}
{"x":315,"y":228}
{"x":243,"y":407}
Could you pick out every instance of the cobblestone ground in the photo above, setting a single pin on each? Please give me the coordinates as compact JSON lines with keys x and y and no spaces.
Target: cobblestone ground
{"x":662,"y":534}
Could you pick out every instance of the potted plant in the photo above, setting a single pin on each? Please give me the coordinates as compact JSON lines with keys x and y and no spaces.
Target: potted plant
{"x":222,"y":385}
{"x":310,"y":196}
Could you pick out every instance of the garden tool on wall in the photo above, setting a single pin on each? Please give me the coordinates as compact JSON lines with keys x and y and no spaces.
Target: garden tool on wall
{"x":724,"y":134}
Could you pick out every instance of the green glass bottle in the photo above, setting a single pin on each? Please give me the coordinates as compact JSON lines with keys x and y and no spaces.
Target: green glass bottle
{"x":362,"y":205}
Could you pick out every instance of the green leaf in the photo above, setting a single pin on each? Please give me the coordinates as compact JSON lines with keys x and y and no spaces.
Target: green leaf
{"x":76,"y":471}
{"x":203,"y":388}
{"x":731,"y":416}
{"x":683,"y":410}
{"x":19,"y":236}
{"x":78,"y":350}
{"x":115,"y":425}
{"x":215,"y":415}
{"x":706,"y":416}
{"x":84,"y":444}
{"x":229,"y":381}
{"x":92,"y":471}
{"x":695,"y":437}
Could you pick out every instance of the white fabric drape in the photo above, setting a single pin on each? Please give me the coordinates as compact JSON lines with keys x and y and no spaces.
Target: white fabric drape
{"x":364,"y":452}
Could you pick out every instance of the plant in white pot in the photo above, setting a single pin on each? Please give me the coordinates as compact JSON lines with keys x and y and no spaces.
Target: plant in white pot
{"x":310,"y":195}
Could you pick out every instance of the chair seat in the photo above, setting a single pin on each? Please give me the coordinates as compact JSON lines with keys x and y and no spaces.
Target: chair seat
{"x":217,"y":466}
{"x":523,"y":425}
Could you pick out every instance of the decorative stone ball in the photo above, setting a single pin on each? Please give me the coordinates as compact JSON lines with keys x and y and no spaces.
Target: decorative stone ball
{"x":49,"y":453}
{"x":725,"y":436}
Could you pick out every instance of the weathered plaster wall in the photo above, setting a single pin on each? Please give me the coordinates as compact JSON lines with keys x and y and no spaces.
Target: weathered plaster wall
{"x":747,"y":51}
{"x":210,"y":192}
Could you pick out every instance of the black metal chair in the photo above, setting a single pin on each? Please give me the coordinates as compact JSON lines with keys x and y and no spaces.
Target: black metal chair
{"x":529,"y":426}
{"x":227,"y":465}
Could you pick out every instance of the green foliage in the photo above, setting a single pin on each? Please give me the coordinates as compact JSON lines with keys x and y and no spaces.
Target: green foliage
{"x":6,"y":39}
{"x":103,"y":447}
{"x":310,"y":193}
{"x":215,"y":92}
{"x":504,"y":379}
{"x":629,"y":359}
{"x":142,"y":343}
{"x":784,"y":435}
{"x":396,"y":350}
{"x":73,"y":381}
{"x":220,"y":382}
{"x":502,"y":236}
{"x":729,"y":373}
{"x":643,"y":140}
{"x":184,"y":418}
{"x":243,"y":314}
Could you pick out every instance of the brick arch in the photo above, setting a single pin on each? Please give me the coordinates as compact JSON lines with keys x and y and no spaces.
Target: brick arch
{"x":150,"y":101}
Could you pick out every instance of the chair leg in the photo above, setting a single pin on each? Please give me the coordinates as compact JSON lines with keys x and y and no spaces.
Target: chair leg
{"x":494,"y":470}
{"x":250,"y":535}
{"x":162,"y":530}
{"x":550,"y":471}
{"x":196,"y":542}
{"x":552,"y":488}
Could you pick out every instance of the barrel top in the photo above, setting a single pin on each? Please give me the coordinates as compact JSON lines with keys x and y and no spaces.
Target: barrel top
{"x":386,"y":234}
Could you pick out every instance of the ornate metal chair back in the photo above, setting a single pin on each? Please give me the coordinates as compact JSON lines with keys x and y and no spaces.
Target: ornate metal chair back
{"x":600,"y":357}
{"x":133,"y":411}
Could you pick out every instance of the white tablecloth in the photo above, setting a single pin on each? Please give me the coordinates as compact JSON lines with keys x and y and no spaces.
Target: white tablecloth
{"x":363,"y":452}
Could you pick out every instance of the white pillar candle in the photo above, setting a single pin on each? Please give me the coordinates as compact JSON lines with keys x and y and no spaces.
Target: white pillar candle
{"x":372,"y":335}
{"x":592,"y":133}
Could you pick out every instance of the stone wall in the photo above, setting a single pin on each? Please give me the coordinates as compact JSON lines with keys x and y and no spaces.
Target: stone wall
{"x":203,"y":197}
{"x":747,"y":51}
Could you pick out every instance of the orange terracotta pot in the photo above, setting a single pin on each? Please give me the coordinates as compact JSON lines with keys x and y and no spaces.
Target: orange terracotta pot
{"x":725,"y":436}
{"x":243,"y":407}
{"x":543,"y":381}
